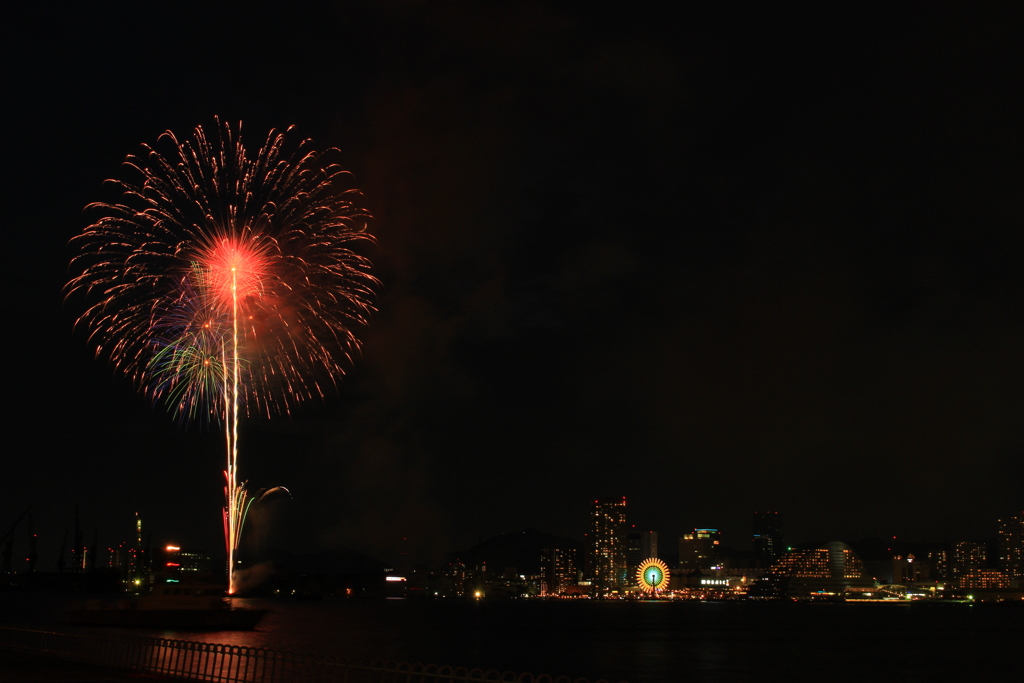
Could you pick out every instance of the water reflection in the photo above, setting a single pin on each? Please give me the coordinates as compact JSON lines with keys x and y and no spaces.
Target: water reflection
{"x":637,"y":641}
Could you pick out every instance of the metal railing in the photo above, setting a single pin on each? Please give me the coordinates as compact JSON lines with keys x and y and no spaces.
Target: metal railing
{"x":240,"y":664}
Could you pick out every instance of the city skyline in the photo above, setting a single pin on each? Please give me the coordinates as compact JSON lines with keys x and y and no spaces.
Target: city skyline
{"x":623,"y":547}
{"x":613,"y":562}
{"x":712,"y":261}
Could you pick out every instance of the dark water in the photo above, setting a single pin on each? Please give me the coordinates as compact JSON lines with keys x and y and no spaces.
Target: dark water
{"x":644,"y":641}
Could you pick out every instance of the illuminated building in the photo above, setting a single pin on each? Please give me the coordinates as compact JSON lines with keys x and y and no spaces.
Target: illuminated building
{"x":967,"y":555}
{"x":181,"y":561}
{"x":767,"y":538}
{"x":699,"y":550}
{"x":640,"y":545}
{"x":803,"y":564}
{"x":196,"y":561}
{"x":1011,"y":547}
{"x":454,"y":582}
{"x":939,"y":559}
{"x":714,"y":583}
{"x":974,"y":579}
{"x":831,"y":570}
{"x":608,"y":549}
{"x":559,"y":570}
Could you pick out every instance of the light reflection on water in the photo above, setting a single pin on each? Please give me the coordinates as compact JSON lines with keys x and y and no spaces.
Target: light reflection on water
{"x":646,"y":641}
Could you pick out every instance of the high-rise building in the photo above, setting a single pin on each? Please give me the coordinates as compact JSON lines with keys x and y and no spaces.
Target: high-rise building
{"x":767,"y":538}
{"x":640,"y":546}
{"x":939,"y":560}
{"x":608,"y":545}
{"x":559,"y":570}
{"x":967,"y":555}
{"x":1011,"y":546}
{"x":699,"y":550}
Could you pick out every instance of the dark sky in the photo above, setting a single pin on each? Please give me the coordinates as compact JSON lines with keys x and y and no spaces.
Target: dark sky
{"x":715,"y":262}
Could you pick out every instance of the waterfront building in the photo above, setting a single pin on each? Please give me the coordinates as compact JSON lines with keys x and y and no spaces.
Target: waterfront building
{"x":975,"y":579}
{"x":767,"y":538}
{"x":699,"y":550}
{"x":608,"y":546}
{"x":831,"y":570}
{"x":714,"y":583}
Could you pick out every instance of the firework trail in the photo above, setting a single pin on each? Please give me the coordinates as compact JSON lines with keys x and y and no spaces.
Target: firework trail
{"x":225,"y":282}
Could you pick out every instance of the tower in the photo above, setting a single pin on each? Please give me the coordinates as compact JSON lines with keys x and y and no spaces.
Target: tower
{"x":608,"y":550}
{"x":138,"y":571}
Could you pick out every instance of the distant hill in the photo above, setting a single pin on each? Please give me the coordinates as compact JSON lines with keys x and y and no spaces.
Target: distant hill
{"x":519,"y":549}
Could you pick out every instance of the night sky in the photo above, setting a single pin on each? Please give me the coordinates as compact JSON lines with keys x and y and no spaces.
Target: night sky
{"x":714,"y":262}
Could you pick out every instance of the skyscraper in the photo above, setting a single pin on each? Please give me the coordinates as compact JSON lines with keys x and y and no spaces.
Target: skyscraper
{"x":967,"y":555}
{"x":608,"y":549}
{"x":1011,"y":546}
{"x":767,"y":538}
{"x":640,"y":546}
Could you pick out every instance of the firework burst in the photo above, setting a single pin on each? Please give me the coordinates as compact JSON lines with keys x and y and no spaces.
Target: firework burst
{"x":225,"y":282}
{"x":197,"y":211}
{"x":189,"y":367}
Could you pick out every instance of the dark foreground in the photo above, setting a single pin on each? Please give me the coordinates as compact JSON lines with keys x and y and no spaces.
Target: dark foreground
{"x":31,"y":667}
{"x":736,"y":642}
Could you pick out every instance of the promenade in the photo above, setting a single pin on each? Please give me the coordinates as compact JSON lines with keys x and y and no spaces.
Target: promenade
{"x":20,"y":666}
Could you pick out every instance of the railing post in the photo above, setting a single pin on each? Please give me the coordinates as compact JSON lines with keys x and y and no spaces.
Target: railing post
{"x":240,"y":664}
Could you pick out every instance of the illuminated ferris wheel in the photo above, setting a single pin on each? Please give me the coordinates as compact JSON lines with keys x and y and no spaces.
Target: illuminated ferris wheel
{"x":652,"y":575}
